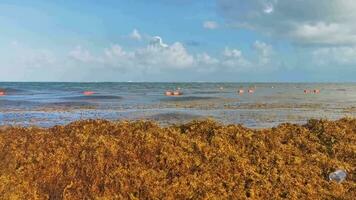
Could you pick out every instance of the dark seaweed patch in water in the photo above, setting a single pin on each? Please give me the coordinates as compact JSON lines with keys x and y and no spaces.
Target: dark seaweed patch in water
{"x":70,"y":104}
{"x":188,"y":98}
{"x":95,"y":97}
{"x":174,"y":116}
{"x":17,"y":103}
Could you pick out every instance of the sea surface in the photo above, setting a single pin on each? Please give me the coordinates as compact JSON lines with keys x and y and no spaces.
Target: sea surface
{"x":48,"y":104}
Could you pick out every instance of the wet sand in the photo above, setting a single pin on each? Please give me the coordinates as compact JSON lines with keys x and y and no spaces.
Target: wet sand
{"x":99,"y":159}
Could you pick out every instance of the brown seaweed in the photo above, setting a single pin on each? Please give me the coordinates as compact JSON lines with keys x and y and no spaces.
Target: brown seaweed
{"x":98,"y":159}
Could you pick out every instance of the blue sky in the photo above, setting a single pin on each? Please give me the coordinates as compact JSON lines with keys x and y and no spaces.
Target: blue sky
{"x":178,"y":40}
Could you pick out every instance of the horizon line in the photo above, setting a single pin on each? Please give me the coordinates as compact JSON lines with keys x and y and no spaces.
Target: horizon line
{"x":177,"y":82}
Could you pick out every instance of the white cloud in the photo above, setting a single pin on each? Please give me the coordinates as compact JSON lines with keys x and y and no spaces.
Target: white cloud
{"x":113,"y":57}
{"x":235,"y":53}
{"x":155,"y":56}
{"x":264,"y":52}
{"x":210,"y":25}
{"x":81,"y":54}
{"x":135,"y":35}
{"x":206,"y":59}
{"x":234,"y":60}
{"x":334,"y":56}
{"x":269,"y":8}
{"x":117,"y":57}
{"x":159,"y":56}
{"x":115,"y":62}
{"x":206,"y":64}
{"x":307,"y":22}
{"x":326,"y":34}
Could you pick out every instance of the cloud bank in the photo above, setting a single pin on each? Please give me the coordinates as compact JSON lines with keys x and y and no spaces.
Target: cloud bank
{"x":305,"y":22}
{"x":322,"y":33}
{"x":158,"y":56}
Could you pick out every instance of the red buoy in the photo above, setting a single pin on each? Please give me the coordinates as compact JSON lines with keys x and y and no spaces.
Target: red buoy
{"x":169,"y":93}
{"x":177,"y":93}
{"x":240,"y":91}
{"x":88,"y":93}
{"x":2,"y":93}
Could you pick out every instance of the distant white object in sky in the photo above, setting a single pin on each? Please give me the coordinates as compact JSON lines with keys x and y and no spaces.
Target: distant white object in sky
{"x":135,"y":35}
{"x":210,"y":25}
{"x":157,"y":41}
{"x":268,"y":9}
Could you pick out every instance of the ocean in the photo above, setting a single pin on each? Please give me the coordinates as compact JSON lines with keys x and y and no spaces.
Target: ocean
{"x":48,"y":104}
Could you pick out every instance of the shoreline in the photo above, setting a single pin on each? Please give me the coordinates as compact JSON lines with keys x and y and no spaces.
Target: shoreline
{"x":250,"y":117}
{"x":200,"y":159}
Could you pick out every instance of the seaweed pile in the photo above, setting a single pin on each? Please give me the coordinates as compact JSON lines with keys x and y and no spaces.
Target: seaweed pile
{"x":98,"y":159}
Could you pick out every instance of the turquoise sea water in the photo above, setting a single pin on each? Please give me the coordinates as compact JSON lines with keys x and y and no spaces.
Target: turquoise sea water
{"x":48,"y":104}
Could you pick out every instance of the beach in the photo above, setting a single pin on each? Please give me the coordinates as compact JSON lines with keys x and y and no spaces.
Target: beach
{"x":211,"y":141}
{"x":100,"y":159}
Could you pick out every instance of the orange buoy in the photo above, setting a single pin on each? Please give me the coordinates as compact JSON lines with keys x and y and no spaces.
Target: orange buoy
{"x":316,"y":91}
{"x":177,"y":93}
{"x":88,"y":93}
{"x":169,"y":93}
{"x":240,"y":91}
{"x":2,"y":93}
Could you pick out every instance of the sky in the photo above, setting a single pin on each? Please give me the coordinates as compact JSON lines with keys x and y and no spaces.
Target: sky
{"x":178,"y":40}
